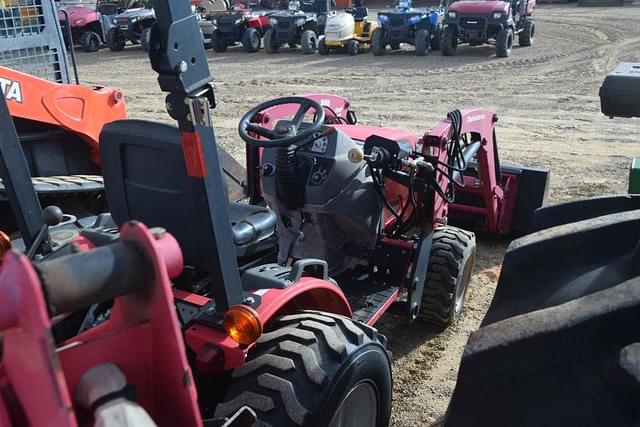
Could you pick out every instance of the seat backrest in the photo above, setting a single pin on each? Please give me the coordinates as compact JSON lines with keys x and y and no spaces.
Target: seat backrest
{"x":360,"y":13}
{"x":146,"y":180}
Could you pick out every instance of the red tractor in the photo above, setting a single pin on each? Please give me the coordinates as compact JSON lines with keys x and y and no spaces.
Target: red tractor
{"x":238,"y":25}
{"x":272,"y":303}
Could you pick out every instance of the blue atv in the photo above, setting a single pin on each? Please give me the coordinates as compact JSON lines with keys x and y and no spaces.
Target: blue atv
{"x":404,"y":24}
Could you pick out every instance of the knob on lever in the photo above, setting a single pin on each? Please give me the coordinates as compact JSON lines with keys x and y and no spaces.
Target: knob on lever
{"x":51,"y":216}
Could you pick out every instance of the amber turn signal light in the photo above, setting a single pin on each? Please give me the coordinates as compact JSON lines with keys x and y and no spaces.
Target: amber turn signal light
{"x":5,"y":244}
{"x":242,"y":324}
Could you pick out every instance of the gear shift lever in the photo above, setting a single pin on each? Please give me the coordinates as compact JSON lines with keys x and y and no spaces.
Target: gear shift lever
{"x":51,"y":216}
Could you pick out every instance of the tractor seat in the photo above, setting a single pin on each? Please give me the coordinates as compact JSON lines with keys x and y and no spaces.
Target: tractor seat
{"x":360,"y":13}
{"x":146,"y":180}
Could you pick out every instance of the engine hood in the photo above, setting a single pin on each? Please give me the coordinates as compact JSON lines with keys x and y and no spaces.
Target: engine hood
{"x":339,"y":22}
{"x":134,"y":13}
{"x":479,"y":6}
{"x":362,"y":132}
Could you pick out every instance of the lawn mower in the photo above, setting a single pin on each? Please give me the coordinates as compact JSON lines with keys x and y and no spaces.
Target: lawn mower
{"x":494,"y":21}
{"x":404,"y":24}
{"x":560,"y":342}
{"x":239,"y":25}
{"x":300,"y":26}
{"x":89,"y":22}
{"x":351,"y":31}
{"x":368,"y":206}
{"x":133,"y":25}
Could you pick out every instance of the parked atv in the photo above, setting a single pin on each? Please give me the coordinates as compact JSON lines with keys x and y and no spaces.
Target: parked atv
{"x":301,"y":26}
{"x":496,"y":22}
{"x":351,"y":30}
{"x":89,"y":23}
{"x":404,"y":24}
{"x":239,"y":25}
{"x":133,"y":25}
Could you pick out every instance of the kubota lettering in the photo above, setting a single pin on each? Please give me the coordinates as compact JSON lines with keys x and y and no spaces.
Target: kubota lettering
{"x":11,"y":90}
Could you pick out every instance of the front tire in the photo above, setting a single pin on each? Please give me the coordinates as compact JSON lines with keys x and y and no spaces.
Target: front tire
{"x":353,"y":47}
{"x":309,"y":42}
{"x":525,"y":38}
{"x":90,"y":41}
{"x":422,"y":43}
{"x":251,"y":40}
{"x":322,"y":47}
{"x":145,"y":39}
{"x":217,"y":43}
{"x":453,"y":252}
{"x":115,"y":40}
{"x":504,"y":43}
{"x":448,"y":42}
{"x":270,"y":45}
{"x":308,"y":368}
{"x":378,"y":45}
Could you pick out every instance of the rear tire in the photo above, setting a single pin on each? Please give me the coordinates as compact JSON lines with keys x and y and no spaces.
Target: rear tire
{"x":453,"y":252}
{"x":90,"y":41}
{"x":422,"y":43}
{"x":302,"y":371}
{"x":115,"y":40}
{"x":217,"y":43}
{"x":145,"y":39}
{"x":448,"y":42}
{"x":270,"y":45}
{"x":377,"y":42}
{"x":322,"y":47}
{"x":309,"y":42}
{"x":251,"y":40}
{"x":525,"y":38}
{"x":353,"y":47}
{"x":504,"y":43}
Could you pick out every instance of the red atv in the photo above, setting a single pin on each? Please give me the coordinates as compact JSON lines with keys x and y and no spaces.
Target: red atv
{"x":89,"y":23}
{"x":488,"y":21}
{"x":238,"y":25}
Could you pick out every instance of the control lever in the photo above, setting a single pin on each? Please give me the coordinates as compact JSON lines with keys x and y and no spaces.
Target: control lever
{"x":51,"y":216}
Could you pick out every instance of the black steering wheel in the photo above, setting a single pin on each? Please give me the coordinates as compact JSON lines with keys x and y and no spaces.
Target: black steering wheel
{"x":283,"y":134}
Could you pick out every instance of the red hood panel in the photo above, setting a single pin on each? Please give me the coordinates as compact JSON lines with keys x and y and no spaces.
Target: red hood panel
{"x":361,"y":133}
{"x":478,"y":6}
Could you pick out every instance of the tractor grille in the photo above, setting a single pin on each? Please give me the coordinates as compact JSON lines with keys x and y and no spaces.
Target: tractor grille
{"x":396,"y":21}
{"x":122,"y":21}
{"x":30,"y":41}
{"x":473,"y":23}
{"x":285,"y":23}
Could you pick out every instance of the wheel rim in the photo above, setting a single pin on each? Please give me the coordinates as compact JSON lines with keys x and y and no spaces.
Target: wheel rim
{"x":359,"y":408}
{"x":461,"y":289}
{"x":255,"y":41}
{"x":509,"y":41}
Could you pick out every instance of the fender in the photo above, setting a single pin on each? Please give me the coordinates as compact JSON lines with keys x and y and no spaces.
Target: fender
{"x":79,"y":109}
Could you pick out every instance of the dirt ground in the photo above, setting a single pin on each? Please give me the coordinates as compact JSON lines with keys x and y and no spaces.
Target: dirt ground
{"x":546,"y":97}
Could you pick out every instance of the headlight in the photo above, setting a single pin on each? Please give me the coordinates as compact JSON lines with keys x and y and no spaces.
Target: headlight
{"x":452,"y":15}
{"x":237,"y":21}
{"x":78,"y":21}
{"x":214,"y":21}
{"x":136,"y":19}
{"x":497,"y":15}
{"x":273,"y":22}
{"x":300,"y":21}
{"x":414,"y":19}
{"x":383,"y":18}
{"x":114,"y":21}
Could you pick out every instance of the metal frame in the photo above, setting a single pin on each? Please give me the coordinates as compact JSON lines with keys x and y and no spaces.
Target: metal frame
{"x":31,"y":40}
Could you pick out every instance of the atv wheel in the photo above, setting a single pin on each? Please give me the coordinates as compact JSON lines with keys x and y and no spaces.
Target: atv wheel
{"x":251,"y":40}
{"x":378,"y":45}
{"x":353,"y":47}
{"x":504,"y":43}
{"x":436,"y":37}
{"x":145,"y":39}
{"x":270,"y":45}
{"x":525,"y":38}
{"x":453,"y":251}
{"x":322,"y":47}
{"x":217,"y":43}
{"x":395,"y":46}
{"x":309,"y":42}
{"x":448,"y":42}
{"x":422,"y":43}
{"x":90,"y":41}
{"x":115,"y":40}
{"x":314,"y":368}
